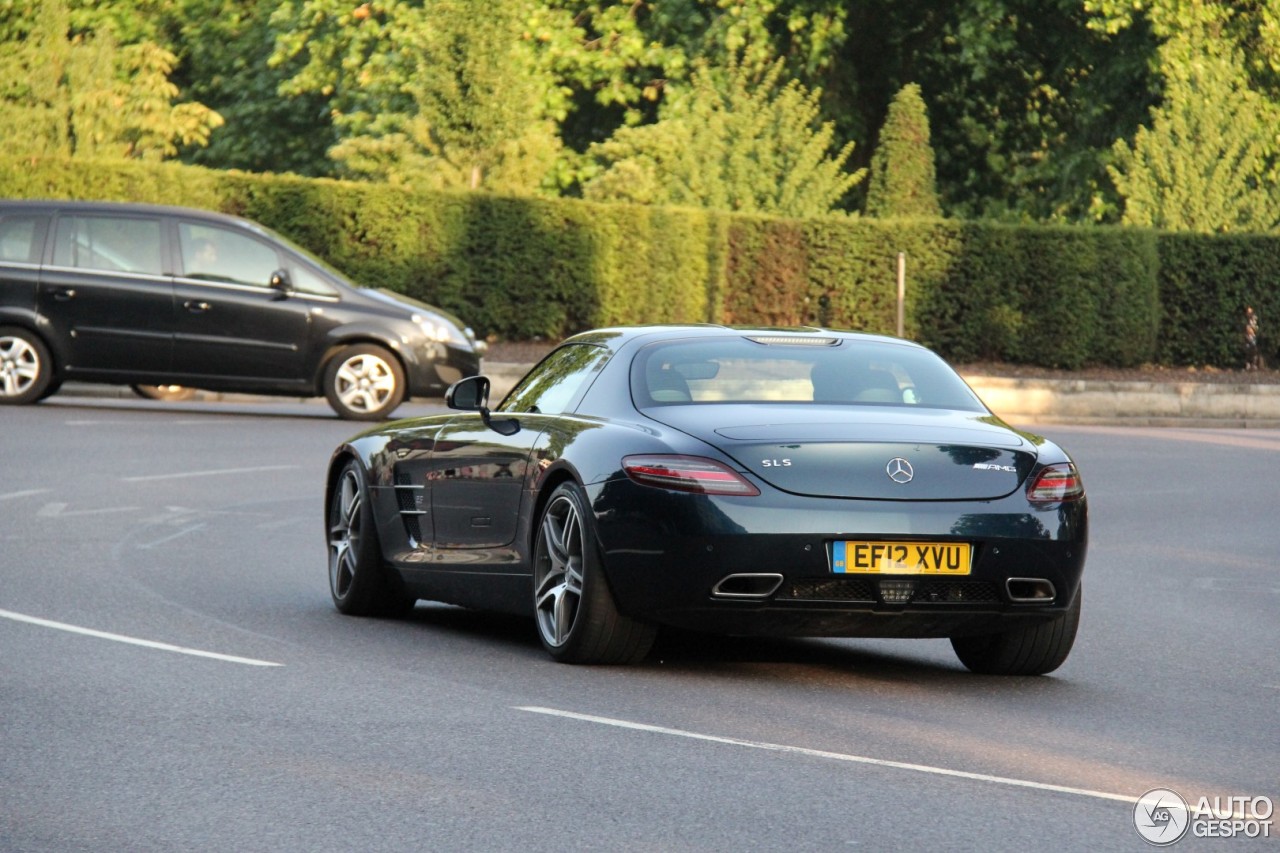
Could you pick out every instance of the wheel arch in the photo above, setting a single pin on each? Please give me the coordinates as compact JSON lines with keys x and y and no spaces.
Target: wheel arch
{"x":335,"y":347}
{"x":553,"y":479}
{"x":337,"y":462}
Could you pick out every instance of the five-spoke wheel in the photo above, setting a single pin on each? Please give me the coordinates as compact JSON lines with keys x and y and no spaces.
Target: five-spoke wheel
{"x":364,"y":383}
{"x":358,"y":581}
{"x":578,"y":620}
{"x":26,"y":369}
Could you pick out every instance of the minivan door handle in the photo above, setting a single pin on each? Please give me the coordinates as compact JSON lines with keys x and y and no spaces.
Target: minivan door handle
{"x":196,"y":307}
{"x":64,"y":294}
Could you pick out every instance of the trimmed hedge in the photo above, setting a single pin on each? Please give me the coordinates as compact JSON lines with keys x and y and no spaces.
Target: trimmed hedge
{"x":1205,"y":285}
{"x":522,"y":268}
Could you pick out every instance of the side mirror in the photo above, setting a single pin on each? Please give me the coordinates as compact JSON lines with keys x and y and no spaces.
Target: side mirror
{"x":472,"y":395}
{"x":469,"y":395}
{"x":280,"y":281}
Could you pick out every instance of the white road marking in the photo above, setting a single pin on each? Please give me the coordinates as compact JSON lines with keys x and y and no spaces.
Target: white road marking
{"x":200,"y":422}
{"x":183,"y":532}
{"x":216,"y":473}
{"x":59,"y":510}
{"x":120,"y":638}
{"x":28,"y":493}
{"x":835,"y":756}
{"x":284,"y":522}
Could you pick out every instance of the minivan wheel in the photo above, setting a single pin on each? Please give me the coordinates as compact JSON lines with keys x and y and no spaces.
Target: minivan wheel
{"x":364,"y":383}
{"x":26,"y":368}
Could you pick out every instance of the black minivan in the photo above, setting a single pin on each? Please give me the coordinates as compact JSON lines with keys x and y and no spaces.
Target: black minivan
{"x":156,"y":296}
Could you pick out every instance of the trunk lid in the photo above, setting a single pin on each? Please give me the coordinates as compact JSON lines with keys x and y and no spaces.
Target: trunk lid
{"x":883,"y":454}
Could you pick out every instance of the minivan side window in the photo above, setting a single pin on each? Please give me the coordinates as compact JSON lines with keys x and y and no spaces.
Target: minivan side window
{"x":306,"y":281}
{"x":18,"y":243}
{"x":110,"y":243}
{"x":211,"y":253}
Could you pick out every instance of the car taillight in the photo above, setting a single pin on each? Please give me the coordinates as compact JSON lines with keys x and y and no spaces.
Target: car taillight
{"x":687,"y":474}
{"x":1056,"y":483}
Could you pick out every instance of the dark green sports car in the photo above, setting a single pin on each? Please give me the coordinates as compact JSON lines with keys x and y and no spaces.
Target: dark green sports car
{"x":797,"y":482}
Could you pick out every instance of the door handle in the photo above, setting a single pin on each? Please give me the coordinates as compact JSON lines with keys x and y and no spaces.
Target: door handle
{"x":196,"y":307}
{"x":64,"y":294}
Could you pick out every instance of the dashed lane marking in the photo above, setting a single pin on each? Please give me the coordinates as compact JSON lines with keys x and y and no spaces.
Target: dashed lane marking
{"x":215,"y":473}
{"x":833,"y":756}
{"x":135,"y":641}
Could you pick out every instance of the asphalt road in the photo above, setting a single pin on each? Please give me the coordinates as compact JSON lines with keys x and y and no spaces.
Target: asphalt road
{"x":174,"y":677}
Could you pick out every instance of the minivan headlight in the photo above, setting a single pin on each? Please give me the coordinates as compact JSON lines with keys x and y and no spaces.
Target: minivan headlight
{"x":439,"y":330}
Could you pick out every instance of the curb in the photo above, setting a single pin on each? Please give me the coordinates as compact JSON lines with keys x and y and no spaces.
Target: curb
{"x":1078,"y":401}
{"x":1018,"y":401}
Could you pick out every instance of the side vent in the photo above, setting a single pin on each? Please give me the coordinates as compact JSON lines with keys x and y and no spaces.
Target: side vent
{"x":411,"y":500}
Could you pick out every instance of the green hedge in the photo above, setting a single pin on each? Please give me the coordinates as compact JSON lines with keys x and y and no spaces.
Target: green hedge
{"x":519,"y":268}
{"x":1205,"y":285}
{"x":1061,"y":297}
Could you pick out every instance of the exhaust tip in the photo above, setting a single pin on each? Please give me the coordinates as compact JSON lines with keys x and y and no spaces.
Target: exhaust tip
{"x":1030,"y":590}
{"x":747,"y":586}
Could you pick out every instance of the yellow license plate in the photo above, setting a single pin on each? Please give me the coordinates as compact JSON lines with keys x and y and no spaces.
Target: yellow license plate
{"x":901,"y":558}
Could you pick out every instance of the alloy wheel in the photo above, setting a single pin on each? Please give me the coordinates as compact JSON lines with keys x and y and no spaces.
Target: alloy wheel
{"x":365,"y":382}
{"x":19,"y":366}
{"x":558,"y":572}
{"x":344,"y":535}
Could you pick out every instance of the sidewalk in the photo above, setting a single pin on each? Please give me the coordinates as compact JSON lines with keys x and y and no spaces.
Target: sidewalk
{"x":1152,"y":404}
{"x":1023,"y":402}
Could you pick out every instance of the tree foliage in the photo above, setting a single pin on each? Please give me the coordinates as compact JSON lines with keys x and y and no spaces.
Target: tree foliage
{"x":903,"y":179}
{"x":1206,"y":162}
{"x":85,"y":95}
{"x":223,"y":48}
{"x":1026,"y":99}
{"x":447,"y":95}
{"x":734,"y":141}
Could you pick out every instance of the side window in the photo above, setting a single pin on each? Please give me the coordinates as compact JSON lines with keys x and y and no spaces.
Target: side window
{"x":212,"y":253}
{"x":305,"y":280}
{"x":18,"y":239}
{"x":109,"y":243}
{"x":552,"y":385}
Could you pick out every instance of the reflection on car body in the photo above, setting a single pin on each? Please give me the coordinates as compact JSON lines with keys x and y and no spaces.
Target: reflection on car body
{"x":741,"y":481}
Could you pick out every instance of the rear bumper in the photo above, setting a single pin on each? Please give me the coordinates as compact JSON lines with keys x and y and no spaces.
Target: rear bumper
{"x":667,"y":556}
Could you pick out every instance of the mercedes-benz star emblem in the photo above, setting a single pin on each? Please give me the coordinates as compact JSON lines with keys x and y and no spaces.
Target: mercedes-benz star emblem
{"x":899,"y":470}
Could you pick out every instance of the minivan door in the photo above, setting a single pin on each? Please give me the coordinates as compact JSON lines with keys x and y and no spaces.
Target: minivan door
{"x":230,"y":322}
{"x":106,"y":297}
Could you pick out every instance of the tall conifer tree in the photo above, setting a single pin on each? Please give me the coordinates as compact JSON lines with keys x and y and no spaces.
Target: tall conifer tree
{"x":903,"y":181}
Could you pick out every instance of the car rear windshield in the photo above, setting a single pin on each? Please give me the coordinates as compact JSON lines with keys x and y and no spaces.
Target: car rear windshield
{"x":796,"y":369}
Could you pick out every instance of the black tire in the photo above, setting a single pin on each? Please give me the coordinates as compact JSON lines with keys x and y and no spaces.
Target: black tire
{"x":166,"y":393}
{"x":359,"y":581}
{"x":1031,"y":650}
{"x":578,"y":620}
{"x":26,"y":368}
{"x":364,"y":383}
